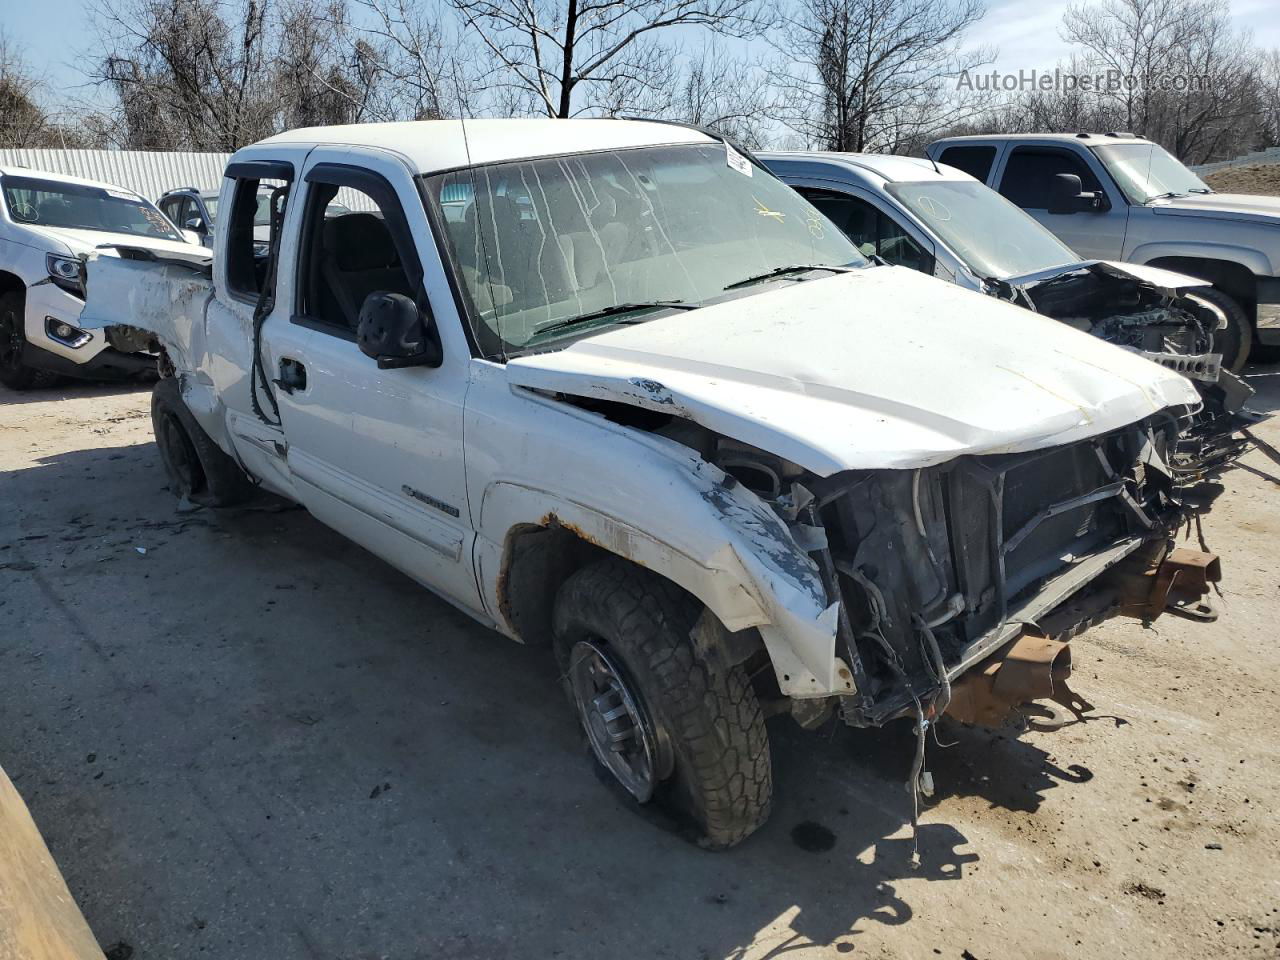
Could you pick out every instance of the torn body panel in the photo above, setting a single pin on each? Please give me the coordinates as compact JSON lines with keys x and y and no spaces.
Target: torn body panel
{"x":653,"y":500}
{"x":206,"y":345}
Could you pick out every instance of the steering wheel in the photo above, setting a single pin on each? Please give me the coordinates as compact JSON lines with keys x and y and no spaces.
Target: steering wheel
{"x":25,"y":212}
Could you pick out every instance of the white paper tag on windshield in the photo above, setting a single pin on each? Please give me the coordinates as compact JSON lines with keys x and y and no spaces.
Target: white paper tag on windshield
{"x":122,"y":195}
{"x":737,"y":161}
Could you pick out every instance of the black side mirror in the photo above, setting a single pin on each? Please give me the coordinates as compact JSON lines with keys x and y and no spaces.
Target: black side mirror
{"x":1066,"y":195}
{"x":393,"y":331}
{"x":194,"y":223}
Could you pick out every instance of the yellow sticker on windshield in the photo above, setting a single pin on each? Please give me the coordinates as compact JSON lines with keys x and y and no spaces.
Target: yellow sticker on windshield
{"x":766,"y":212}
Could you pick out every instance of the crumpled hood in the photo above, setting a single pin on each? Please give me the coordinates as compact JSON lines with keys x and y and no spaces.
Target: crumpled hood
{"x":1224,"y":206}
{"x":878,"y":368}
{"x":1166,"y":280}
{"x":82,"y":242}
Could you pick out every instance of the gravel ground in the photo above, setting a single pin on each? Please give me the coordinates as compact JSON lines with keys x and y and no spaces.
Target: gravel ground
{"x":255,"y":740}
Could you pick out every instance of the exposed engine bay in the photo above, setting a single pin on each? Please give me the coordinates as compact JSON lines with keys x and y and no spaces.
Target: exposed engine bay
{"x":938,"y":569}
{"x":1175,"y":330}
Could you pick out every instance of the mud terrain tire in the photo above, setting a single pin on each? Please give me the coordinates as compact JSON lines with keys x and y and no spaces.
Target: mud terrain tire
{"x":713,"y":768}
{"x":196,"y":466}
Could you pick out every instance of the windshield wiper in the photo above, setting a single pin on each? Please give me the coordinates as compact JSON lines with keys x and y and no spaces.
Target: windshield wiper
{"x":612,"y":310}
{"x":1166,"y":196}
{"x":782,"y":271}
{"x":1199,"y":190}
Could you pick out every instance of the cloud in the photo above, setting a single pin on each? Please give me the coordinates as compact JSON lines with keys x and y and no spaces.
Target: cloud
{"x":1026,"y":35}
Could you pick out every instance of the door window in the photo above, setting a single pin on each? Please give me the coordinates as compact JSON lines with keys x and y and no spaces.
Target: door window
{"x":1029,"y":172}
{"x":170,"y":208}
{"x":250,"y":233}
{"x":975,"y":161}
{"x":353,"y":244}
{"x":872,"y":230}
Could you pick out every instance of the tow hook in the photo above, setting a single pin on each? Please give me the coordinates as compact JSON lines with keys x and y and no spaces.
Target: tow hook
{"x":1182,"y":585}
{"x":1177,"y":584}
{"x":995,"y":693}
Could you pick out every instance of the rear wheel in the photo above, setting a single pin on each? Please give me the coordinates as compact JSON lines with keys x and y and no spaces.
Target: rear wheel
{"x":666,"y":725}
{"x":14,"y":374}
{"x":1236,"y":339}
{"x":196,"y":467}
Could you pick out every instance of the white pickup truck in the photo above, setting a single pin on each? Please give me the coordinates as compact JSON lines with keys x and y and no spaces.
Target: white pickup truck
{"x":1116,"y":196}
{"x":48,"y":224}
{"x":611,"y":387}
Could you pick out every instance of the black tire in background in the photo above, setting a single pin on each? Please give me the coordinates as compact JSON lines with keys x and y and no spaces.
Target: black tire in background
{"x":14,"y":374}
{"x":710,"y":750}
{"x":196,"y":466}
{"x":1234,"y":342}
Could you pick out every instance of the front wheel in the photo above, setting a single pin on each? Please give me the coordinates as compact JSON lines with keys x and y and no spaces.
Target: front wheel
{"x":14,"y":374}
{"x":1235,"y":340}
{"x":667,"y":726}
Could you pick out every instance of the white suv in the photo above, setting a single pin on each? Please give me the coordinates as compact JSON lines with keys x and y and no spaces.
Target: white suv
{"x":48,"y":224}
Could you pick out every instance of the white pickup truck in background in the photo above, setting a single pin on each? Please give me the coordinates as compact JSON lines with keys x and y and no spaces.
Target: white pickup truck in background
{"x":48,"y":224}
{"x":1114,"y":196}
{"x":612,"y":387}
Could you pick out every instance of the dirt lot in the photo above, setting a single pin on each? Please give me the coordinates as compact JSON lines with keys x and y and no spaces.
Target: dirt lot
{"x":255,"y":740}
{"x":1262,"y":179}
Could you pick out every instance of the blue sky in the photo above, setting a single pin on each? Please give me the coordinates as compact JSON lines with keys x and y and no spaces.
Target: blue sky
{"x":54,"y":34}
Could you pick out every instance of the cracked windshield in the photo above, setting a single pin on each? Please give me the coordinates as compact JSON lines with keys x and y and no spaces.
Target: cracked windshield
{"x":551,"y":249}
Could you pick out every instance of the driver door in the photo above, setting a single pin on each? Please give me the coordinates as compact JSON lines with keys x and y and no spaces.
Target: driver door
{"x":375,"y":454}
{"x":1027,"y":180}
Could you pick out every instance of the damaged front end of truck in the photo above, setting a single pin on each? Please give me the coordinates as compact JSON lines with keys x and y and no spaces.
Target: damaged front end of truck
{"x":961,"y":584}
{"x":1164,"y":317}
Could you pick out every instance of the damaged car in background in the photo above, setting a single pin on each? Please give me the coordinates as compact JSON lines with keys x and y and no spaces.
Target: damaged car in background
{"x":941,"y":221}
{"x":612,"y":388}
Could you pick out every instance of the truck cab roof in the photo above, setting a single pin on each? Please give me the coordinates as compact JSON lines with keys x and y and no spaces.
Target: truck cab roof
{"x":873,"y":168}
{"x":434,"y":146}
{"x":1089,"y":139}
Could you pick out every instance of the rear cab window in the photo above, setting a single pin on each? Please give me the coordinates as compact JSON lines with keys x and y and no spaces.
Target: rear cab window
{"x":250,"y":232}
{"x":974,"y":160}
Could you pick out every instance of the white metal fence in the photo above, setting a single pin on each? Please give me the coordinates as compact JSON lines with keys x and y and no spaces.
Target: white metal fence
{"x":147,"y":173}
{"x":144,"y":172}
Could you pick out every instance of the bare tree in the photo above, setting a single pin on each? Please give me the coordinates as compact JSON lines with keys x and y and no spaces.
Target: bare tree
{"x":23,"y":121}
{"x":324,"y":73}
{"x":872,"y":74}
{"x":187,"y":73}
{"x":1137,"y":39}
{"x":425,"y":65}
{"x":566,"y":56}
{"x":722,"y":93}
{"x":1186,"y":77}
{"x":1269,"y":91}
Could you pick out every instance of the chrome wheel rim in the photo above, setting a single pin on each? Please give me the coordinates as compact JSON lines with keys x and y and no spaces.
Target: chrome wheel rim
{"x":616,"y":727}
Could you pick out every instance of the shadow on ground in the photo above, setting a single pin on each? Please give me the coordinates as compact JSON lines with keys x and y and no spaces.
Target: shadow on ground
{"x":242,"y":734}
